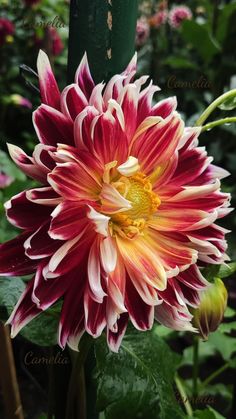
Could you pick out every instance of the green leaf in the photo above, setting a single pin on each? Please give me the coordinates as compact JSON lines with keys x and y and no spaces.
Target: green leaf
{"x":223,"y":21}
{"x":227,"y":327}
{"x":225,"y":345}
{"x":208,"y":413}
{"x":205,"y":351}
{"x":229,"y":312}
{"x":43,"y":329}
{"x":228,"y":105}
{"x":138,"y":379}
{"x":10,"y":291}
{"x":8,"y":167}
{"x":219,"y":271}
{"x":179,"y":62}
{"x":199,"y":36}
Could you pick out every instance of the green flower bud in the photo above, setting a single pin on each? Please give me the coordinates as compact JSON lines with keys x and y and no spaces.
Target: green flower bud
{"x":210,"y":313}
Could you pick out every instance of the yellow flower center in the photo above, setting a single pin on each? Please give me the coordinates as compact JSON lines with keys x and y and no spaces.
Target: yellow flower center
{"x":138,"y":190}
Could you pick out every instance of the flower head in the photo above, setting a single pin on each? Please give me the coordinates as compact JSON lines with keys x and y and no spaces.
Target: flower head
{"x":142,"y":31}
{"x":178,"y":14}
{"x":158,"y":19}
{"x":125,"y":214}
{"x":55,"y":43}
{"x":210,"y":313}
{"x":20,"y":100}
{"x":5,"y":180}
{"x":6,"y":31}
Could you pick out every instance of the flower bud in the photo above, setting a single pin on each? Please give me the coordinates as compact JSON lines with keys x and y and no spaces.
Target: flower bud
{"x":210,"y":313}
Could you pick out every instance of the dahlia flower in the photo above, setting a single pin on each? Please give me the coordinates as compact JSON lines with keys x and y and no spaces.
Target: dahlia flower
{"x":158,"y":19}
{"x":5,"y":180}
{"x":125,"y":213}
{"x":178,"y":14}
{"x":142,"y":31}
{"x":6,"y":31}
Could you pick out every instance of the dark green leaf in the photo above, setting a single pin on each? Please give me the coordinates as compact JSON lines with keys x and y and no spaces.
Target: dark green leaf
{"x":208,"y":413}
{"x":199,"y":36}
{"x":41,"y":330}
{"x":138,"y":380}
{"x":219,"y":271}
{"x":223,"y":21}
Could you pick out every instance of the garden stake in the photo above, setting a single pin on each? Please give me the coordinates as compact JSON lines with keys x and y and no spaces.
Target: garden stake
{"x":8,"y":379}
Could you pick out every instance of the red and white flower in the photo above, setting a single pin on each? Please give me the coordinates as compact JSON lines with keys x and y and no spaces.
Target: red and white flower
{"x":125,"y":214}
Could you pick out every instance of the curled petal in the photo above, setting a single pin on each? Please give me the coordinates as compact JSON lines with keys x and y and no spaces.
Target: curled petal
{"x":25,"y":214}
{"x":52,"y":126}
{"x":13,"y":260}
{"x":26,"y":163}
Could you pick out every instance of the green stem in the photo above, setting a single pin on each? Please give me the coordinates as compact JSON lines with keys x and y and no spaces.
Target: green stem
{"x":105,"y":29}
{"x":76,"y":396}
{"x":222,"y":121}
{"x":195,"y":365}
{"x":184,"y":396}
{"x":215,"y":374}
{"x":214,"y":105}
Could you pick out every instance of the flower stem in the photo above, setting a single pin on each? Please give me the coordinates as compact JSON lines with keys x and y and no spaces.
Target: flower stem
{"x":214,"y":105}
{"x":195,"y":365}
{"x":184,"y":396}
{"x":222,"y":121}
{"x":215,"y":374}
{"x":76,"y":397}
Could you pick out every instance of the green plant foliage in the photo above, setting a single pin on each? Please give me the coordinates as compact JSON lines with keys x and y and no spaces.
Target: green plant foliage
{"x":138,"y":381}
{"x":43,"y":329}
{"x":201,"y":39}
{"x":208,"y":413}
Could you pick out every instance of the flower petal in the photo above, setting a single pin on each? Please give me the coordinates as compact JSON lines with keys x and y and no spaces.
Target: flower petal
{"x":83,"y":77}
{"x":50,"y":93}
{"x":13,"y":260}
{"x":52,"y":126}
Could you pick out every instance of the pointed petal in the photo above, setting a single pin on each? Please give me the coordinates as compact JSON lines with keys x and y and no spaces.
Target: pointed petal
{"x":114,"y":339}
{"x":73,"y":101}
{"x":24,"y":311}
{"x":50,"y":93}
{"x":83,"y":77}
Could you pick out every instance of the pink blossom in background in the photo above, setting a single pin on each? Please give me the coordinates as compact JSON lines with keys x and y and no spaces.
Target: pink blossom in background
{"x":158,"y":19}
{"x":178,"y":14}
{"x":142,"y":31}
{"x":31,"y":2}
{"x":57,"y":44}
{"x":6,"y":30}
{"x":125,"y":215}
{"x":5,"y":180}
{"x":20,"y":100}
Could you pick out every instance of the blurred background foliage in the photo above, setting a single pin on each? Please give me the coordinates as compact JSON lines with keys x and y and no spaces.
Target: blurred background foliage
{"x":189,"y":51}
